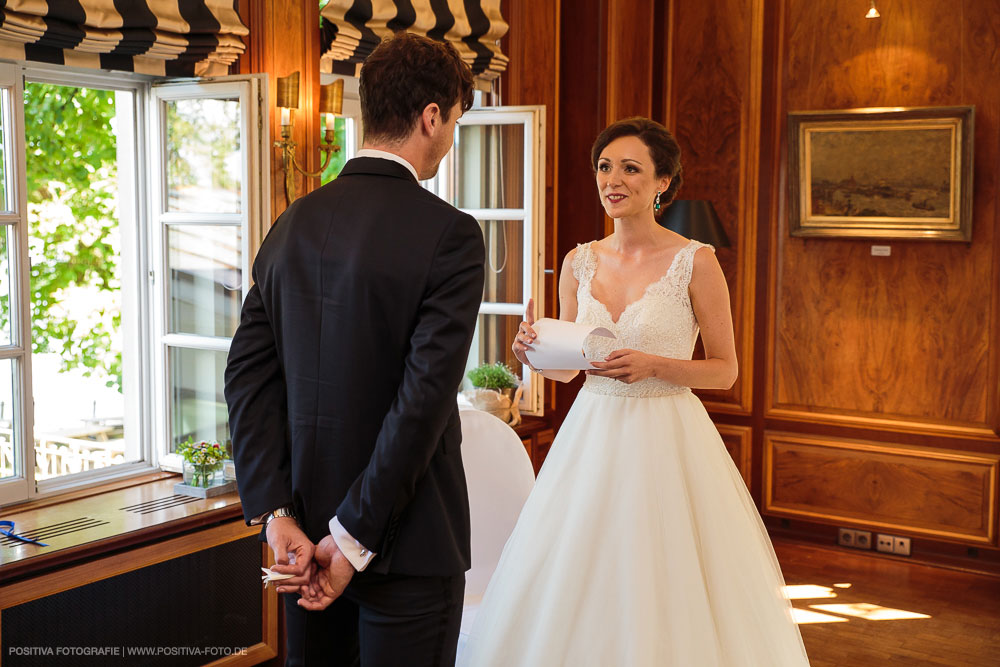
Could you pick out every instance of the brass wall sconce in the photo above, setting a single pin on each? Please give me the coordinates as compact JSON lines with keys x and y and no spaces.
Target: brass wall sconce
{"x":331,"y":102}
{"x":872,"y":11}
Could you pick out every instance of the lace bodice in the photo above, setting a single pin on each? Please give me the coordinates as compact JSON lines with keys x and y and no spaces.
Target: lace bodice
{"x":659,"y":322}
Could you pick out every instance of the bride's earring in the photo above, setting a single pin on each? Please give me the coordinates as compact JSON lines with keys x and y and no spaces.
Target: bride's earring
{"x":656,"y":203}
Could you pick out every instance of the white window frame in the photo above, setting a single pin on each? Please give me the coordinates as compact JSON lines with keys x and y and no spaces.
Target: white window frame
{"x":254,"y":200}
{"x":148,"y":410}
{"x":532,"y":213}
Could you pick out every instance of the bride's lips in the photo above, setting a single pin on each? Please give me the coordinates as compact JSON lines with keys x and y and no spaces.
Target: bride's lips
{"x":615,"y":197}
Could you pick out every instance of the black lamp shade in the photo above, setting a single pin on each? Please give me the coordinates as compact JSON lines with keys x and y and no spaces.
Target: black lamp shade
{"x":695,"y":219}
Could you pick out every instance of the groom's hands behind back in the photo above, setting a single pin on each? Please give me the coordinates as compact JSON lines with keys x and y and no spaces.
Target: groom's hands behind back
{"x":293,"y":553}
{"x":329,"y":579}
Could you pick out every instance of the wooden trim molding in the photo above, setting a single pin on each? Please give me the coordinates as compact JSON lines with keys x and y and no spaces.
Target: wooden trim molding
{"x":888,"y":424}
{"x":943,"y":494}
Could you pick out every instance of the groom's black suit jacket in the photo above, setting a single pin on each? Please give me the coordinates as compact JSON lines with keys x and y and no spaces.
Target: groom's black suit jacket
{"x":343,"y":373}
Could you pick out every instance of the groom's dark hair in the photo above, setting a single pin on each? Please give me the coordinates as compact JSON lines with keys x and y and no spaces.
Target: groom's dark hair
{"x":402,"y":76}
{"x":663,"y":148}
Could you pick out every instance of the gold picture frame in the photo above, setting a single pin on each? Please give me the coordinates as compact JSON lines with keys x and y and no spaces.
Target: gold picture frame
{"x":899,"y":173}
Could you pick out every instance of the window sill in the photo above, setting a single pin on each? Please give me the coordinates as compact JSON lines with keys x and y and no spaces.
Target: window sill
{"x":82,"y":524}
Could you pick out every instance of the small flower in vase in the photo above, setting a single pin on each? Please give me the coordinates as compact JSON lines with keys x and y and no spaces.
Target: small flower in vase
{"x":202,"y":461}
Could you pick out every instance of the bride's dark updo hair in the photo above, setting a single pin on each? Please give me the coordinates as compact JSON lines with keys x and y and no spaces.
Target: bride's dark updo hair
{"x":662,"y":147}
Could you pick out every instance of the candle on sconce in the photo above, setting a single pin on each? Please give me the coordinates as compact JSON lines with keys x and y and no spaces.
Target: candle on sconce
{"x":286,"y":115}
{"x":331,"y":102}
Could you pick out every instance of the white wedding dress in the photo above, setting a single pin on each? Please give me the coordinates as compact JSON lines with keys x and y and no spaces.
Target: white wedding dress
{"x":639,"y":545}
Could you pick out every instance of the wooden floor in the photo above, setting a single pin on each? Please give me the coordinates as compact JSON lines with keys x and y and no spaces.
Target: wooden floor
{"x":864,"y":610}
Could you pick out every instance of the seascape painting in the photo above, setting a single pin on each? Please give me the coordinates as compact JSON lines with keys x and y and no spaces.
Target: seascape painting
{"x":889,"y":173}
{"x":886,"y":173}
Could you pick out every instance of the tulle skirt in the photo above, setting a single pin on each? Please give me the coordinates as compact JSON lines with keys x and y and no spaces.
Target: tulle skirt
{"x":639,"y":545}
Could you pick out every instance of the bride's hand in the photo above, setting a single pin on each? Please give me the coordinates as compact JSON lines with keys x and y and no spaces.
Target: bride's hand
{"x":525,"y":336}
{"x":627,"y":366}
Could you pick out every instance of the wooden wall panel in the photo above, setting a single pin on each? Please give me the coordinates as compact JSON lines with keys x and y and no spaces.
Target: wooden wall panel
{"x":947,"y":495}
{"x":630,"y":52}
{"x":737,"y":440}
{"x":907,"y":342}
{"x":581,"y":118}
{"x":532,"y":43}
{"x":284,"y":38}
{"x":713,"y":108}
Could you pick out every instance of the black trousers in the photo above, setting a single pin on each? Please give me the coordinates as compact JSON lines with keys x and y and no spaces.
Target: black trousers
{"x":381,"y":620}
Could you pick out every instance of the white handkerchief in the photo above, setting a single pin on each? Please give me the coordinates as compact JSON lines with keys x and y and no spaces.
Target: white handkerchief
{"x":270,"y":577}
{"x":559,"y":345}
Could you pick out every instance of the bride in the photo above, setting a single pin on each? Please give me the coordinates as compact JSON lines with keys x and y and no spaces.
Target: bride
{"x":640,"y":544}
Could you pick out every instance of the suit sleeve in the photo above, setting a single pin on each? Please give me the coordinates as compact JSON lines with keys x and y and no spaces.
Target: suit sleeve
{"x":256,"y":395}
{"x":435,"y":363}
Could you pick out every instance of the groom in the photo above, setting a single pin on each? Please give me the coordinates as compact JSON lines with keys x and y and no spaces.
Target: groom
{"x":342,"y":381}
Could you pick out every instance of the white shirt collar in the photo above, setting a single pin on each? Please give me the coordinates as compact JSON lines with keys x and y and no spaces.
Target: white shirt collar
{"x":371,"y":152}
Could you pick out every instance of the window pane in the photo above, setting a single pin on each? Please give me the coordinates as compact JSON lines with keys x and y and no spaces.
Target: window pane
{"x":204,"y":156}
{"x":197,"y":402}
{"x":343,"y":136}
{"x":205,"y":279}
{"x":77,"y":258}
{"x":8,"y":452}
{"x":493,"y":338}
{"x":490,"y":160}
{"x":504,"y":260}
{"x":6,"y":233}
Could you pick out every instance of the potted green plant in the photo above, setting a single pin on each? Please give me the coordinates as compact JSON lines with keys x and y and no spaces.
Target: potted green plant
{"x":495,"y":390}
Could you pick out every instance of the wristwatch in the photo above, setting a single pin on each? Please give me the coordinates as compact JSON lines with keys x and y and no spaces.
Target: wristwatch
{"x":281,"y":511}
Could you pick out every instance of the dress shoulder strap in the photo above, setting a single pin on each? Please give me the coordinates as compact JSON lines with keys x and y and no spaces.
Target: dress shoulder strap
{"x":584,"y":262}
{"x":685,"y":260}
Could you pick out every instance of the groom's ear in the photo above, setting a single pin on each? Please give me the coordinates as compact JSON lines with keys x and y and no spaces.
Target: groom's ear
{"x":430,"y":119}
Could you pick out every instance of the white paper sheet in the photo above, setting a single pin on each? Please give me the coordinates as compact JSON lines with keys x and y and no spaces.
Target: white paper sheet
{"x":559,"y":345}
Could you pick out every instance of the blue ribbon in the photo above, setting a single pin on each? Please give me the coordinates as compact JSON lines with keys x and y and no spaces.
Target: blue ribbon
{"x":7,"y":528}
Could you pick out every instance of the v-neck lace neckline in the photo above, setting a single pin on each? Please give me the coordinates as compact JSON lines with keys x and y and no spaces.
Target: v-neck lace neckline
{"x":645,"y":292}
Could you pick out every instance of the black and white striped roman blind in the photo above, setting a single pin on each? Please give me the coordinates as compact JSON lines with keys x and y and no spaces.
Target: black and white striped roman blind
{"x":159,"y":37}
{"x":353,"y":28}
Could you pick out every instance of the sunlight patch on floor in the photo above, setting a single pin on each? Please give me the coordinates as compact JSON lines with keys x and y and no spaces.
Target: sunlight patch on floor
{"x":804,"y":616}
{"x":870,"y":612}
{"x":808,"y":592}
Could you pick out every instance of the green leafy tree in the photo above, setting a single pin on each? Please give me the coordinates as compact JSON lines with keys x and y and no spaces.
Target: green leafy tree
{"x":71,"y":156}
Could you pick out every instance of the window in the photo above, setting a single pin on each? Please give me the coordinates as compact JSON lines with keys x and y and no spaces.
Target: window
{"x":495,"y":174}
{"x":127,"y":214}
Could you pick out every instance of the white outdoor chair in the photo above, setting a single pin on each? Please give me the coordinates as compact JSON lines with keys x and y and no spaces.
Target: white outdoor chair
{"x":500,"y":477}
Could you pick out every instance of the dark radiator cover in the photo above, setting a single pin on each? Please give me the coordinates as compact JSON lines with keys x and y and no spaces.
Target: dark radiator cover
{"x":186,"y":611}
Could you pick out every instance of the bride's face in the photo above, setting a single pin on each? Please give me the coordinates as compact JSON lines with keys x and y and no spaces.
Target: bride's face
{"x":626,"y":178}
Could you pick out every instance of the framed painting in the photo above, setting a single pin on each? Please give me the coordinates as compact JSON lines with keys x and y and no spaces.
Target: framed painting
{"x":881,"y":173}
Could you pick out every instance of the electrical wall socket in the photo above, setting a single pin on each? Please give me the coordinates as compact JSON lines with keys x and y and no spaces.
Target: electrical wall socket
{"x":892,"y":544}
{"x":885,"y":543}
{"x":901,"y":546}
{"x":858,"y":539}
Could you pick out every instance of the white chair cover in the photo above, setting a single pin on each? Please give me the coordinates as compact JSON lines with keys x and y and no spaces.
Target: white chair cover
{"x":500,"y":477}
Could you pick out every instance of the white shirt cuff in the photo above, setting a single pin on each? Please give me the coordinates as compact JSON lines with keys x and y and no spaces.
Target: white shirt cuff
{"x":356,"y":554}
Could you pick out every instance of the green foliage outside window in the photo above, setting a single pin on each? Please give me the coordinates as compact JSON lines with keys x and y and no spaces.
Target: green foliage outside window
{"x":340,"y":126}
{"x":71,"y":156}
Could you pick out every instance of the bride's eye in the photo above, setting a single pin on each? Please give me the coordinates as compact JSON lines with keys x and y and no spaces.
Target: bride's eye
{"x":604,"y":166}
